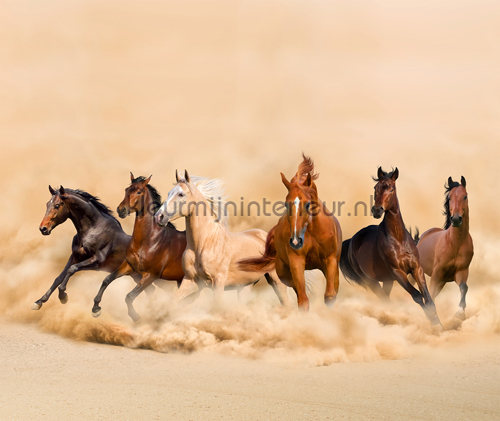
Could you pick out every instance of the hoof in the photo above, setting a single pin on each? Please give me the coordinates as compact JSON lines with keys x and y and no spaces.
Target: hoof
{"x":438,"y":328}
{"x":460,"y":315}
{"x":137,"y":319}
{"x":36,"y":306}
{"x":96,"y":314}
{"x":64,"y":299}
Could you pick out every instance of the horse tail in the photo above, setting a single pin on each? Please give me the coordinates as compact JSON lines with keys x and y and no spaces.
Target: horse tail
{"x":345,"y":265}
{"x":415,"y":237}
{"x":263,"y":263}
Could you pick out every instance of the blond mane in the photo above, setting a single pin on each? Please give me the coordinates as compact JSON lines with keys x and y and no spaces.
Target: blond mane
{"x":213,"y":191}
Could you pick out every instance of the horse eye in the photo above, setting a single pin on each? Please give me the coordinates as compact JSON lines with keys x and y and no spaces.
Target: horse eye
{"x":57,"y":206}
{"x":308,"y":206}
{"x":181,"y":194}
{"x":465,"y":198}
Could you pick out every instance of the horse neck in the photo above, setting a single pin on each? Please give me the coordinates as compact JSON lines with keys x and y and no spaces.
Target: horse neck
{"x":145,"y":226}
{"x":83,"y":214}
{"x":393,"y":221}
{"x":200,"y":225}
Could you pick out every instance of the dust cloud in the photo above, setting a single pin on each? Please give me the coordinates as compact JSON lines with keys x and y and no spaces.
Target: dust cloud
{"x":237,"y":90}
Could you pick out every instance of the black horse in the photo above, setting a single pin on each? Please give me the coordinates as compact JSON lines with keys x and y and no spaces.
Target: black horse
{"x":99,"y":244}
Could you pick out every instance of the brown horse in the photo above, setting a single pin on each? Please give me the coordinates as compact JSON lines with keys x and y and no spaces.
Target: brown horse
{"x":154,"y":252}
{"x":386,"y":252}
{"x":99,"y":244}
{"x":307,"y":237}
{"x":446,"y":254}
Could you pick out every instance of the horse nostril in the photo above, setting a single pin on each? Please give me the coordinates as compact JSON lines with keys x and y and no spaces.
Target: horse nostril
{"x":44,"y":230}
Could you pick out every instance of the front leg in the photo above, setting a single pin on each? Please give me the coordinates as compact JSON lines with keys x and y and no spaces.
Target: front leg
{"x":187,"y":288}
{"x":88,"y":264}
{"x":145,"y":282}
{"x":297,"y":267}
{"x":461,"y":280}
{"x":331,"y":272}
{"x":428,"y":306}
{"x":38,"y":304}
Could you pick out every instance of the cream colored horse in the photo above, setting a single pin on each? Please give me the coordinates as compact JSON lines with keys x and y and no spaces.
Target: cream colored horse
{"x":212,"y":250}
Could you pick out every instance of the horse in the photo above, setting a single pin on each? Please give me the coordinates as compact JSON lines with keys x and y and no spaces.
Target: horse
{"x":387,"y":252}
{"x":446,"y":254}
{"x":154,"y":252}
{"x":306,"y":237}
{"x":212,"y":250}
{"x":99,"y":244}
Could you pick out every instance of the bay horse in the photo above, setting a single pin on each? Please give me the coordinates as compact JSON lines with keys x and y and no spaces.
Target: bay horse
{"x":212,"y":250}
{"x":99,"y":244}
{"x":387,"y":252}
{"x":446,"y":254}
{"x":154,"y":252}
{"x":306,"y":237}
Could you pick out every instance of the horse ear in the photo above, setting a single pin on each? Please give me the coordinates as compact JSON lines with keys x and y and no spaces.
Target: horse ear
{"x":132,"y":178}
{"x":176,"y":176}
{"x":147,"y":180}
{"x":186,"y":176}
{"x":380,"y":173}
{"x":62,"y":192}
{"x":395,"y":174}
{"x":308,"y":180}
{"x":285,"y":181}
{"x":463,"y":182}
{"x":51,"y":190}
{"x":450,"y":181}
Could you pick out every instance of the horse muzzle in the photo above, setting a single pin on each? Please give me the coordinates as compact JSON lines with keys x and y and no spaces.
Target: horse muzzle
{"x":122,"y":212}
{"x":296,"y":243}
{"x":377,"y":212}
{"x":160,"y":219}
{"x":44,"y":230}
{"x":456,"y":221}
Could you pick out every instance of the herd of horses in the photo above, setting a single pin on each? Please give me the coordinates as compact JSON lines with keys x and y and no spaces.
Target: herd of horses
{"x":306,"y":237}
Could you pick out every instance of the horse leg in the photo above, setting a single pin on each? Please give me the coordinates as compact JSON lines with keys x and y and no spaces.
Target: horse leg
{"x":90,"y":263}
{"x":461,"y":280}
{"x":377,"y":289}
{"x":146,"y":281}
{"x":429,"y":307}
{"x":279,"y":287}
{"x":297,"y":267}
{"x":387,"y":287}
{"x":38,"y":304}
{"x":123,"y":269}
{"x":186,"y":289}
{"x":331,"y":273}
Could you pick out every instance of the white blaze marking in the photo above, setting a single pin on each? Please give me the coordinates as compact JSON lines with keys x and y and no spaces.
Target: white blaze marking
{"x":296,"y":202}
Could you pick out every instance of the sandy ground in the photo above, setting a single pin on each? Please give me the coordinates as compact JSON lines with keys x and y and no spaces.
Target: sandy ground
{"x":44,"y":376}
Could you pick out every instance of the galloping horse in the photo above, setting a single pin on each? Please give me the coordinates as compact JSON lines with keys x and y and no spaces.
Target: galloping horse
{"x":306,"y":237}
{"x":386,"y":252}
{"x":154,"y":252}
{"x":445,"y":254}
{"x":99,"y":244}
{"x":212,"y":250}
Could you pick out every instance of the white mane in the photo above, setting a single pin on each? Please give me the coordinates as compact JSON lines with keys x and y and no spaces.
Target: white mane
{"x":213,"y":191}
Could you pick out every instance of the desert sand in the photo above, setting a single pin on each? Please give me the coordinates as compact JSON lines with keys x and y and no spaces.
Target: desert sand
{"x":237,"y":90}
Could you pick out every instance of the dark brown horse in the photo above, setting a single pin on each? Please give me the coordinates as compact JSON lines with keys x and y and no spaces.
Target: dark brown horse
{"x":446,"y":254}
{"x":154,"y":252}
{"x":386,"y":252}
{"x":99,"y":244}
{"x":307,"y":237}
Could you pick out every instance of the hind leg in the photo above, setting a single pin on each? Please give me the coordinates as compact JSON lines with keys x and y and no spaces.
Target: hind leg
{"x":461,"y":280}
{"x":279,"y":287}
{"x":387,"y":287}
{"x":376,"y":289}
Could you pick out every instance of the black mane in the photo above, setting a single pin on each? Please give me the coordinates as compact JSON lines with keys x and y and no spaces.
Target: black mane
{"x":94,"y":200}
{"x":447,"y":213}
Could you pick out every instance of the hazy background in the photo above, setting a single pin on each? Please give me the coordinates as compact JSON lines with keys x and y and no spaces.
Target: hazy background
{"x":90,"y":90}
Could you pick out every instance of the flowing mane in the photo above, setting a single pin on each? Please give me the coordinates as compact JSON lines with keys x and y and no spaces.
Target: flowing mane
{"x":213,"y":191}
{"x":306,"y":167}
{"x":93,"y":200}
{"x":447,"y":213}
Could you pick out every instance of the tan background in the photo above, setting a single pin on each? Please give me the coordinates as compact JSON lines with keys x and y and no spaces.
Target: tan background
{"x":90,"y":90}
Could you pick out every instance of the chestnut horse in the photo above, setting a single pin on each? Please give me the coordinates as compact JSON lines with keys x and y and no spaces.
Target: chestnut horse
{"x":212,"y":250}
{"x":387,"y":252}
{"x":306,"y":237}
{"x":99,"y":244}
{"x":446,"y":254}
{"x":154,"y":252}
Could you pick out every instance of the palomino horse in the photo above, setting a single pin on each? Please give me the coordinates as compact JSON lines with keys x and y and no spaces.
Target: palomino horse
{"x":99,"y":243}
{"x":386,"y":252}
{"x":445,"y":254}
{"x":307,"y":237}
{"x":212,"y":250}
{"x":154,"y":252}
